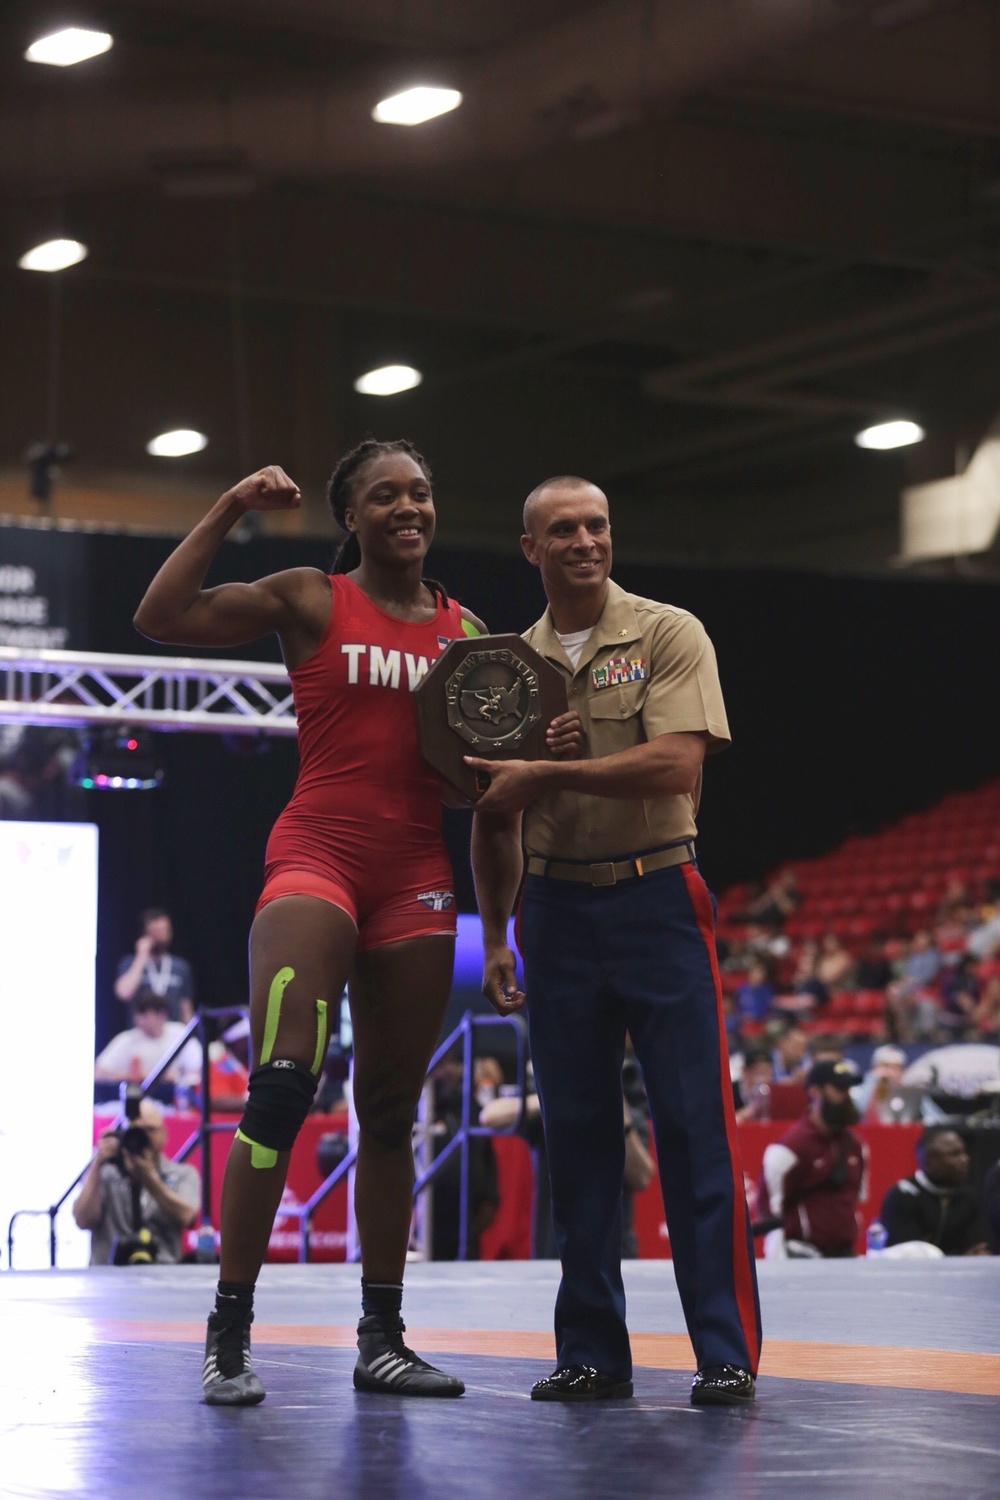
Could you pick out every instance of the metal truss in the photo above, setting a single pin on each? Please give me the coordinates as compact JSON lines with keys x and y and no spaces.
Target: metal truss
{"x":74,"y":689}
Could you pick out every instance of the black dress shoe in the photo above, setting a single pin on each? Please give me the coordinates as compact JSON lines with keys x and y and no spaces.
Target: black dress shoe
{"x":580,"y":1383}
{"x":722,"y":1385}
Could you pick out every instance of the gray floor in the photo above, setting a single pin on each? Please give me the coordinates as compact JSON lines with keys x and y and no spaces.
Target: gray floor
{"x":93,"y":1409}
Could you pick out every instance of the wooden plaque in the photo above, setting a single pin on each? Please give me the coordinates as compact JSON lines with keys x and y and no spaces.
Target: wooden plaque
{"x":491,"y":696}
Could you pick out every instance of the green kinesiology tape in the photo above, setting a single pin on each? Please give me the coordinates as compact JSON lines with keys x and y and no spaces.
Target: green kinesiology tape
{"x":320,"y":1035}
{"x":260,"y":1156}
{"x":279,"y":984}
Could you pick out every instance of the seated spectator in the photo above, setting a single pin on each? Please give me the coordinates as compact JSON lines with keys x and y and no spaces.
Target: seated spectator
{"x":754,"y":998}
{"x":153,"y":970}
{"x":984,"y":940}
{"x":959,"y":991}
{"x":954,"y":900}
{"x":911,"y":999}
{"x":790,"y":1054}
{"x":807,"y":987}
{"x":986,"y":1016}
{"x":487,"y":1079}
{"x":767,"y":941}
{"x":882,"y":1097}
{"x":779,"y":900}
{"x":126,"y":1192}
{"x":922,"y":963}
{"x":834,"y":965}
{"x":936,"y":1205}
{"x":132,"y":1055}
{"x":811,"y":1178}
{"x":752,"y":1091}
{"x":874,"y":967}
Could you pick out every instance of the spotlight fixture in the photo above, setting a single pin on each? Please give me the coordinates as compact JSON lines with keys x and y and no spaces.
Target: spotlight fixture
{"x":54,"y":255}
{"x":388,"y":380}
{"x":118,"y":759}
{"x":177,"y":443}
{"x":885,"y":435}
{"x":414,"y":106}
{"x":64,"y":48}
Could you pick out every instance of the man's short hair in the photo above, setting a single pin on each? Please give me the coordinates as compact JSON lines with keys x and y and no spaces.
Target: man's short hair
{"x":557,"y":482}
{"x":151,"y":914}
{"x":933,"y":1133}
{"x":149,"y":1001}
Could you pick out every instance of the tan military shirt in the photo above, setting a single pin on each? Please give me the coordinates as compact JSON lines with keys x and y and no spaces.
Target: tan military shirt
{"x":647,"y":669}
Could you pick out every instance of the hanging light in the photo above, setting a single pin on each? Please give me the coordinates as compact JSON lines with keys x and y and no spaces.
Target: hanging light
{"x":414,"y":106}
{"x":176,"y":444}
{"x":885,"y":435}
{"x":73,"y":45}
{"x":54,"y":255}
{"x":388,"y":380}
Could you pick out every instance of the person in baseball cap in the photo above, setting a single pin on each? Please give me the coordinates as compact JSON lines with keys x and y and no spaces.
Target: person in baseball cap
{"x":836,"y":1073}
{"x":811,"y":1178}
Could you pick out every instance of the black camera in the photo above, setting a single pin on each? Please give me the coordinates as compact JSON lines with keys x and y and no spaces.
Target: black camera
{"x":135,"y":1141}
{"x":139,"y":1249}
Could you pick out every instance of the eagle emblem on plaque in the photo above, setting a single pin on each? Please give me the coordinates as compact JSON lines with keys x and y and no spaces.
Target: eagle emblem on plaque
{"x":493,"y":696}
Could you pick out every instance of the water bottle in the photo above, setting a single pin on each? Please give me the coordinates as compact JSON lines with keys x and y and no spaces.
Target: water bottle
{"x":876,"y":1239}
{"x":205,"y":1244}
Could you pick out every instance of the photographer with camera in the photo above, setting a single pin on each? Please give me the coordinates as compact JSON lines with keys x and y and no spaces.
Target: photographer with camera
{"x":135,"y":1201}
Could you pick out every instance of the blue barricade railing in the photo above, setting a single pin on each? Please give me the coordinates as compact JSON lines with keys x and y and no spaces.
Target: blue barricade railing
{"x":464,"y":1032}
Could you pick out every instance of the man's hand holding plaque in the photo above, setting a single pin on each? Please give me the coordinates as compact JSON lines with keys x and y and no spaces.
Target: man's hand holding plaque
{"x":492,"y":699}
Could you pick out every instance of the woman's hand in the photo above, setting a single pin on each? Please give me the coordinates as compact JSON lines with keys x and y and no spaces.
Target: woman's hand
{"x":268,"y":489}
{"x":565,"y":737}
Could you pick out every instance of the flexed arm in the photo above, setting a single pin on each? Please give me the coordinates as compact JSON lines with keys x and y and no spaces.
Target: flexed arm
{"x":176,"y":609}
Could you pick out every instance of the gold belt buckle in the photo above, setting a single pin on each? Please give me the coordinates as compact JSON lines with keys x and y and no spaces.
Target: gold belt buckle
{"x":597,"y":877}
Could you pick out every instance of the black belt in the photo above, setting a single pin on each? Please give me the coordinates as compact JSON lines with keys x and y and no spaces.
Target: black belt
{"x":611,"y":871}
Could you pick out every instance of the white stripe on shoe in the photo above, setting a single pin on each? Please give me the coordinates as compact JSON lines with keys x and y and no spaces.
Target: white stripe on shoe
{"x":383,"y":1359}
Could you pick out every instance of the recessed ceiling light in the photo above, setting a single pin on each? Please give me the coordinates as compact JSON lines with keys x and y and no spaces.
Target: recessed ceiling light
{"x":884,"y":435}
{"x":54,"y":255}
{"x":388,"y":380}
{"x":175,"y":444}
{"x":64,"y":48}
{"x":414,"y":106}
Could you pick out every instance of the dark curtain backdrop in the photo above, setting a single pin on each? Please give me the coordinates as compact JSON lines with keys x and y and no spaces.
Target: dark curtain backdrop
{"x":850,"y":700}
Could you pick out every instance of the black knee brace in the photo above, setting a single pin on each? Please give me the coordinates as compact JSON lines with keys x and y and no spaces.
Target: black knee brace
{"x":280,"y":1096}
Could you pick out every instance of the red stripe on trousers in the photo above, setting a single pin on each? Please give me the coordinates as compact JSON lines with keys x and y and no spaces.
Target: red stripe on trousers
{"x":742,"y":1270}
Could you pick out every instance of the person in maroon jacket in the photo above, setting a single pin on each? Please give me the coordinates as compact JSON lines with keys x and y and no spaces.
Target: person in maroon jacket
{"x":811,"y":1178}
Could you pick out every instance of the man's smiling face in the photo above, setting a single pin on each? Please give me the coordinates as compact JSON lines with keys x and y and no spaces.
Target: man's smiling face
{"x":568,"y":538}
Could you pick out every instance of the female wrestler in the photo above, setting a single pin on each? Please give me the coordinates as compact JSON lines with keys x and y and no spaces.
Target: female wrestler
{"x":357,"y":880}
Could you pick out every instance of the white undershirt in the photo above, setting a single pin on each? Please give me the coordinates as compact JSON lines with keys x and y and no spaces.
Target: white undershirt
{"x":574,"y":643}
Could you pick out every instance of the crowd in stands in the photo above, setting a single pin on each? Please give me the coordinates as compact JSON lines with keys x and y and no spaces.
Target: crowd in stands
{"x":893,"y":937}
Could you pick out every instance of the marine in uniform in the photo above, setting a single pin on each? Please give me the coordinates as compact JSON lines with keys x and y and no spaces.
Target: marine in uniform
{"x":616,"y":930}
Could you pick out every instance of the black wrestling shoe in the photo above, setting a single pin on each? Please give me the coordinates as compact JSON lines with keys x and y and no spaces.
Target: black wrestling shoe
{"x":386,"y":1365}
{"x":227,"y":1376}
{"x":580,"y":1383}
{"x":723,"y":1385}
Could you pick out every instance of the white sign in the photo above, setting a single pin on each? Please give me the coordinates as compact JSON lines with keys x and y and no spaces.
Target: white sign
{"x":48,"y":940}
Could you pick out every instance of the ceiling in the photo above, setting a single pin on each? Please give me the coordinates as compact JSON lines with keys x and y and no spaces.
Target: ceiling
{"x":685,"y":248}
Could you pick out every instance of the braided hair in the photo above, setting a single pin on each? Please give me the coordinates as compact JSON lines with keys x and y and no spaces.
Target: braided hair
{"x":340,"y":492}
